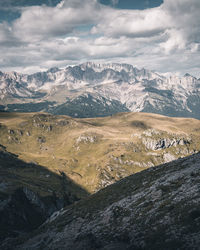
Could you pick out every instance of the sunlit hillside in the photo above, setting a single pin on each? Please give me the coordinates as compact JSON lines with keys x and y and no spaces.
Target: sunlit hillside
{"x":97,"y":152}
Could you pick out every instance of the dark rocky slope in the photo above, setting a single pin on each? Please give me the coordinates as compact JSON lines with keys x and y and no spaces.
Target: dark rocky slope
{"x":158,"y":208}
{"x":29,"y":194}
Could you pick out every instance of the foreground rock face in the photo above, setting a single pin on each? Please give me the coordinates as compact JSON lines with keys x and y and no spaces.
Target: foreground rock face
{"x":24,"y":211}
{"x":29,"y":194}
{"x":158,"y":208}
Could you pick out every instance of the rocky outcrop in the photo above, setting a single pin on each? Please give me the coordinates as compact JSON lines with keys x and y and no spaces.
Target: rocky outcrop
{"x":88,"y":138}
{"x":41,"y":139}
{"x":162,"y":143}
{"x":167,"y":157}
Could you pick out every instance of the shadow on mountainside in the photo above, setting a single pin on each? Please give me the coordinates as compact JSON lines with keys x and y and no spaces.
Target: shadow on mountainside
{"x":157,"y":208}
{"x":30,"y":193}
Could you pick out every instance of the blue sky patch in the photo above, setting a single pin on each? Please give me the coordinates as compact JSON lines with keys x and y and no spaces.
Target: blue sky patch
{"x":133,"y":4}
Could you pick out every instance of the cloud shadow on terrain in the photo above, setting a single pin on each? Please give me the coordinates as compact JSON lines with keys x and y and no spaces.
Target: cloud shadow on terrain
{"x":139,"y":124}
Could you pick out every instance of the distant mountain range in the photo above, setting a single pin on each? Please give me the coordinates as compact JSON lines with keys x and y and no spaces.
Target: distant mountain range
{"x":92,"y":90}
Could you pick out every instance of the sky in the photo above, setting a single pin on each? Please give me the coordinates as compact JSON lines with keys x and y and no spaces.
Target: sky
{"x":160,"y":35}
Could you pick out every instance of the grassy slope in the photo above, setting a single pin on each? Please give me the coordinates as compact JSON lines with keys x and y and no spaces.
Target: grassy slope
{"x":16,"y":174}
{"x":94,"y":151}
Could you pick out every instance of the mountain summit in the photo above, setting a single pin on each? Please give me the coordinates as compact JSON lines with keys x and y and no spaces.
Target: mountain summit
{"x":92,"y":90}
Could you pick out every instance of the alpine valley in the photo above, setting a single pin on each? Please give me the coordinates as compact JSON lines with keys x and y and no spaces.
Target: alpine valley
{"x":93,"y":90}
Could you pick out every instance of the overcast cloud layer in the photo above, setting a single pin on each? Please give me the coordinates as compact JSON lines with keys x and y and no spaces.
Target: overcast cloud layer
{"x":164,"y":39}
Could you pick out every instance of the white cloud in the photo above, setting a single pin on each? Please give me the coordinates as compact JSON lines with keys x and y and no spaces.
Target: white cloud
{"x":154,"y":38}
{"x":41,"y":22}
{"x":6,"y":36}
{"x":185,"y":20}
{"x":175,"y":41}
{"x":133,"y":23}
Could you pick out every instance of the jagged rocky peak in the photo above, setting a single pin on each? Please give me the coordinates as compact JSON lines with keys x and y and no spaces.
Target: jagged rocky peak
{"x":188,"y":82}
{"x":187,"y":75}
{"x":74,"y":72}
{"x":127,"y":72}
{"x":190,"y":78}
{"x":11,"y":76}
{"x":98,"y":67}
{"x":53,"y":70}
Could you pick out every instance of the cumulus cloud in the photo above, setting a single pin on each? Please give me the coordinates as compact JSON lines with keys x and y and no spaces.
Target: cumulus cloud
{"x":185,"y":21}
{"x":175,"y":41}
{"x":133,"y":23}
{"x":178,"y":20}
{"x":43,"y":22}
{"x":7,"y":38}
{"x":5,"y":33}
{"x":81,"y":30}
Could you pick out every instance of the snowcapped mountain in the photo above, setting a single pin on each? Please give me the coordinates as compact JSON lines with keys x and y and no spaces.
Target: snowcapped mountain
{"x":93,"y":89}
